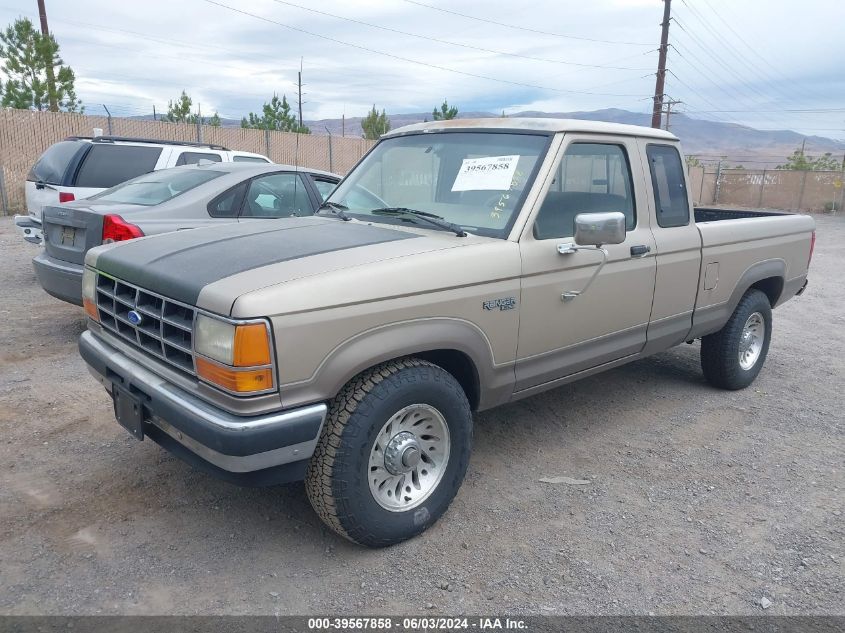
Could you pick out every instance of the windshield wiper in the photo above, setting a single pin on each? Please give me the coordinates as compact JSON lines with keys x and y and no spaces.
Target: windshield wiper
{"x":336,"y":208}
{"x":436,"y":220}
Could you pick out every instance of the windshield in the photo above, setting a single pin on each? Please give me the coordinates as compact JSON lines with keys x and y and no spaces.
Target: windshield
{"x":157,"y":187}
{"x":475,"y":180}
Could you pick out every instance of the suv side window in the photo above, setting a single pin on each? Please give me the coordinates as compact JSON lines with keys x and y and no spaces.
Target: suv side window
{"x":324,"y":187}
{"x":105,"y":166}
{"x":669,"y":184}
{"x":239,"y":158}
{"x":276,"y":196}
{"x":592,"y":178}
{"x":192,"y":158}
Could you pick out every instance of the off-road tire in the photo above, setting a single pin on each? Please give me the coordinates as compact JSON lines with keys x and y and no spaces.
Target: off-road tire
{"x":720,"y":350}
{"x":337,"y":480}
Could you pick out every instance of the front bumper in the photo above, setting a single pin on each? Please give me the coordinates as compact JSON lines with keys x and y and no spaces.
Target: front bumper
{"x":29,"y":229}
{"x":255,"y":450}
{"x":60,"y":279}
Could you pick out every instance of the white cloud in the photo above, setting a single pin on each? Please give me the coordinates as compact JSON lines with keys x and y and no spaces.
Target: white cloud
{"x":133,"y":56}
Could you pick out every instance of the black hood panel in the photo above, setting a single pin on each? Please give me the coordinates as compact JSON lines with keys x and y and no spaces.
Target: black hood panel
{"x":180,"y":264}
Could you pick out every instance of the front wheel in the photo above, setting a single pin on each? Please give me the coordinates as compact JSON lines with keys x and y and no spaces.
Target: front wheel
{"x":392,"y":454}
{"x":732,"y":357}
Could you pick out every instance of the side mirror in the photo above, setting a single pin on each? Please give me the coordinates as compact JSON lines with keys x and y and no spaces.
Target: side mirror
{"x":596,"y":229}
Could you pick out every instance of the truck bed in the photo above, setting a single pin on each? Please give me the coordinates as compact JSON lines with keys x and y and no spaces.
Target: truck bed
{"x":706,"y":214}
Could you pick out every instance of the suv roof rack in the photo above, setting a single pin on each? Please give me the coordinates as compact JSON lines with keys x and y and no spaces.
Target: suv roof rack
{"x":112,"y":139}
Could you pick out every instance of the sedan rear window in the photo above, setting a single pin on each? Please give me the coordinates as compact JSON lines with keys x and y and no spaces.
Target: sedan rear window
{"x":157,"y":187}
{"x":108,"y":165}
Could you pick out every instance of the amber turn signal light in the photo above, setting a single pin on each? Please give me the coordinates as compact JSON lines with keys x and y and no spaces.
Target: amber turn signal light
{"x":252,"y":345}
{"x":239,"y":381}
{"x":90,"y":309}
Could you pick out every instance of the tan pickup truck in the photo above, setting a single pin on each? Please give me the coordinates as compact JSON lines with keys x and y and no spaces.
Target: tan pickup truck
{"x":460,"y":265}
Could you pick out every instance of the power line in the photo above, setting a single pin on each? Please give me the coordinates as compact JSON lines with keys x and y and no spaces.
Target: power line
{"x":413,"y":61}
{"x":772,"y":79}
{"x":523,"y":28}
{"x":740,"y":57}
{"x":733,"y":94}
{"x":451,"y":43}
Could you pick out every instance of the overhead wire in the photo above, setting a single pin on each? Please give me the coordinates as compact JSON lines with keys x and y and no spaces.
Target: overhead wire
{"x":411,"y":60}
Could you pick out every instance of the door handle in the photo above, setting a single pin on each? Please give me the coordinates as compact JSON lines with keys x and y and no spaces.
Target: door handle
{"x":640,"y":250}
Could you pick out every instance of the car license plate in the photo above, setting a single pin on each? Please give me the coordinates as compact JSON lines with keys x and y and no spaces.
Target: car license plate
{"x":68,"y":235}
{"x":129,"y":411}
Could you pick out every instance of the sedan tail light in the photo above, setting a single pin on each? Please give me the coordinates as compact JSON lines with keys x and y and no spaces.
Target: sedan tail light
{"x":812,"y":248}
{"x":66,"y":196}
{"x":116,"y":229}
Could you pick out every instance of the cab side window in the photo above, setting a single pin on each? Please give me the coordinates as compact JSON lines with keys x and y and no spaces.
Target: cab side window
{"x":591,"y":178}
{"x":669,"y":184}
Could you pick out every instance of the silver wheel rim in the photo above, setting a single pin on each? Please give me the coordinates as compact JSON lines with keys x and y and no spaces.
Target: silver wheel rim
{"x":751,"y":341}
{"x":409,"y":457}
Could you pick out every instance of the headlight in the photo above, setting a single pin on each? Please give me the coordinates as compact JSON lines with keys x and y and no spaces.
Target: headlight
{"x":215,"y":339}
{"x":230,"y":348}
{"x":89,"y":289}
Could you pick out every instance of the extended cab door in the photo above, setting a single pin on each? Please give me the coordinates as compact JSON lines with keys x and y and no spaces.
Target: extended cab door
{"x":560,"y":337}
{"x":678,"y":253}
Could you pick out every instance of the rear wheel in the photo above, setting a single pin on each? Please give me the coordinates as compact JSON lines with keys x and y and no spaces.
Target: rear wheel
{"x":392,"y":454}
{"x":732,"y":357}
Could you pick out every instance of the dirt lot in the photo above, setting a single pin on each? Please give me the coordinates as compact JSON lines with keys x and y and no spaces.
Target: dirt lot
{"x":700,"y":501}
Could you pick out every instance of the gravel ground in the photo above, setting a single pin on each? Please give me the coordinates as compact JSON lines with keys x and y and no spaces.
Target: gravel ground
{"x":699,"y":501}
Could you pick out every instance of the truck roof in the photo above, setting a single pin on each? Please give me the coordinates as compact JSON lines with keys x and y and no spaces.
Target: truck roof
{"x":527,"y":125}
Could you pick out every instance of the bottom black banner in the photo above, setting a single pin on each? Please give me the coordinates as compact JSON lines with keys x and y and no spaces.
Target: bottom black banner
{"x":526,"y":624}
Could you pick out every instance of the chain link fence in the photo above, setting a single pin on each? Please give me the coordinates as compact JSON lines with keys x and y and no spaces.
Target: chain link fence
{"x":810,"y":191}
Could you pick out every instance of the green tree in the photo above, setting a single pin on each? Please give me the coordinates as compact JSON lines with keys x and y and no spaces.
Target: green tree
{"x":801,"y":162}
{"x":692,"y":161}
{"x":179,"y":111}
{"x":214,"y":121}
{"x":275,"y":115}
{"x":445,"y":113}
{"x":28,"y":57}
{"x":375,"y":124}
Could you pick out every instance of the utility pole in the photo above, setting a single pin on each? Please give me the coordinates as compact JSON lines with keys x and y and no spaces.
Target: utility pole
{"x":661,"y":66}
{"x":669,"y":103}
{"x":51,"y":78}
{"x":299,"y":84}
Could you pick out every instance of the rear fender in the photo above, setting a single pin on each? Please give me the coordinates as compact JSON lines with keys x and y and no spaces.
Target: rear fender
{"x":711,"y":318}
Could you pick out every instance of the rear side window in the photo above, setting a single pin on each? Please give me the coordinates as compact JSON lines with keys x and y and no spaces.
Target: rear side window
{"x":192,"y":158}
{"x":108,"y":165}
{"x":325,"y":187}
{"x":158,"y":187}
{"x":227,"y":204}
{"x":670,"y":188}
{"x":250,"y":159}
{"x":53,"y":163}
{"x":276,"y":196}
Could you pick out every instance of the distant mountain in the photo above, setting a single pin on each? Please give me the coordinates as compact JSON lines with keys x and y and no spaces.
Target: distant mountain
{"x":709,"y":139}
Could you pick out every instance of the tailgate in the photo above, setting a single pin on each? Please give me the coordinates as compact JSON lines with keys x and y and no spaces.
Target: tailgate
{"x":37,"y":199}
{"x":69,"y":232}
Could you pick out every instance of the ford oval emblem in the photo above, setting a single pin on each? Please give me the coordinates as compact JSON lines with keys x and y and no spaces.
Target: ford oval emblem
{"x":134,"y":317}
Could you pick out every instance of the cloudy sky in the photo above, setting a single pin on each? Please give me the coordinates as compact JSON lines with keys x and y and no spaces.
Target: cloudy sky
{"x":771,"y":64}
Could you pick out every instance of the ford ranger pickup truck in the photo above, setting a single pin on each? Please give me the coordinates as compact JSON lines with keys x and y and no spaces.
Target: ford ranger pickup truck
{"x":460,"y":265}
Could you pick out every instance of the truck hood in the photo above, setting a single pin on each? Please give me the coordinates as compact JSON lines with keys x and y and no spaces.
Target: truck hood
{"x":254,"y":255}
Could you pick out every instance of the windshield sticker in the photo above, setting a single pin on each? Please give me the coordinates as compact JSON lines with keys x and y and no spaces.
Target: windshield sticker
{"x":491,"y":173}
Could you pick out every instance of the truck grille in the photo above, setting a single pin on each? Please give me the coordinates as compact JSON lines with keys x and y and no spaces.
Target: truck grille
{"x":165,"y":328}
